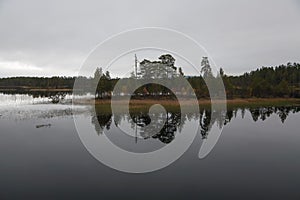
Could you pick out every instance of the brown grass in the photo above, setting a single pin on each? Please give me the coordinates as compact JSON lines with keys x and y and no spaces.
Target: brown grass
{"x":200,"y":101}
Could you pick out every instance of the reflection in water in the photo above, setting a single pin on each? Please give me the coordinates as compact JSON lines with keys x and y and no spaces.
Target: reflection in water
{"x":265,"y":112}
{"x":21,"y":107}
{"x":173,"y":121}
{"x":170,"y":120}
{"x":101,"y":122}
{"x":167,"y":133}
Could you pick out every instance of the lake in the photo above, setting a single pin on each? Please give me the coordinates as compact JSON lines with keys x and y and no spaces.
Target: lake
{"x":42,"y":157}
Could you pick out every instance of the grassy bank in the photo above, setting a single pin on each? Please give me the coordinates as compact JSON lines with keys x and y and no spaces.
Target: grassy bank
{"x":172,"y":105}
{"x":238,"y":102}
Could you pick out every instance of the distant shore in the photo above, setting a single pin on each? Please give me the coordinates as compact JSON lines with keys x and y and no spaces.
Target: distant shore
{"x":30,"y":89}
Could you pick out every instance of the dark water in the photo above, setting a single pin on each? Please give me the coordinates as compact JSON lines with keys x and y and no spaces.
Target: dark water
{"x":256,"y":157}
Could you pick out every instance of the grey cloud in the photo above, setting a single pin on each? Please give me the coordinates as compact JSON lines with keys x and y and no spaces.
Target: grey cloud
{"x":56,"y":36}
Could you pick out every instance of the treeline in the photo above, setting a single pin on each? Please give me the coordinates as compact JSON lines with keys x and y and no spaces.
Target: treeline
{"x":280,"y":81}
{"x":266,"y":82}
{"x":37,"y":82}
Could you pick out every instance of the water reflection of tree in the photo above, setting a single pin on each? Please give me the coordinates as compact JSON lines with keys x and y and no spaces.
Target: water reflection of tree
{"x":264,"y":112}
{"x":208,"y":118}
{"x":205,"y":120}
{"x":167,"y":133}
{"x":163,"y":126}
{"x":101,"y":121}
{"x":150,"y":127}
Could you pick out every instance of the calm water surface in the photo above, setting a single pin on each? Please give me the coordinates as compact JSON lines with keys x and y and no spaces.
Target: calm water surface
{"x":42,"y":157}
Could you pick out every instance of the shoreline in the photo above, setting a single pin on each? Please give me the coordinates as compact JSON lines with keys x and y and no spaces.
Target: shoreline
{"x":170,"y":102}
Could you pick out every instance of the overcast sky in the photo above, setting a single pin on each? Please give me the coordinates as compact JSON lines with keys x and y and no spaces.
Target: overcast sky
{"x":45,"y":38}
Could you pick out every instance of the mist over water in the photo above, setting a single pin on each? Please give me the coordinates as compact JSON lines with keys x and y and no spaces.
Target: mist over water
{"x":21,"y":99}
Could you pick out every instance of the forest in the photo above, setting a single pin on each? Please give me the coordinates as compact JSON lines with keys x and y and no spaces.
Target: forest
{"x":264,"y":82}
